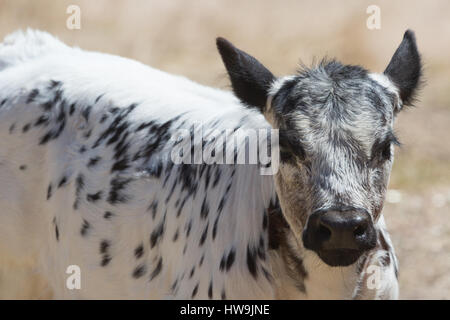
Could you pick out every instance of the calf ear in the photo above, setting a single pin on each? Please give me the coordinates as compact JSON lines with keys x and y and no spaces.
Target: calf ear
{"x":405,"y":68}
{"x":250,"y":80}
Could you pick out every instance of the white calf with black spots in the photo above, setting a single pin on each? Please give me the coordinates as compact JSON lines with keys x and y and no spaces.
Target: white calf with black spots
{"x":87,"y":177}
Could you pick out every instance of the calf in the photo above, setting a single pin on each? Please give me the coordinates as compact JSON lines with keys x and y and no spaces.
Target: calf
{"x":88,"y":176}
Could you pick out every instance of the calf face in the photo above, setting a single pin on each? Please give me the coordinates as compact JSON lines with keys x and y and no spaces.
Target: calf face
{"x":336,"y":142}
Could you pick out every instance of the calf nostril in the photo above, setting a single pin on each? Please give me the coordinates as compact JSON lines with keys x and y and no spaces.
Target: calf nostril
{"x":324,"y":232}
{"x":359,"y":230}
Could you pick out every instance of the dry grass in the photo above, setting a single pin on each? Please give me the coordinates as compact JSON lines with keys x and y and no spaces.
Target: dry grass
{"x":178,"y":36}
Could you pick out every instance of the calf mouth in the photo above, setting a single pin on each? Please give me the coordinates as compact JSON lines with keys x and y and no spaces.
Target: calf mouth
{"x":339,"y":257}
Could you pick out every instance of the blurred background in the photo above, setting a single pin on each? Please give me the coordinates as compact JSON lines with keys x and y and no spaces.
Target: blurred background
{"x":179,"y":37}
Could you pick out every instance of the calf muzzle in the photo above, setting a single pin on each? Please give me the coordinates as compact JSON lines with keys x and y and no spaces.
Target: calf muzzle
{"x":339,"y":235}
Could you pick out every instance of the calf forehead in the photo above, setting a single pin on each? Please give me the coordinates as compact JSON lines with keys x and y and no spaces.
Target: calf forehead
{"x":334,"y":103}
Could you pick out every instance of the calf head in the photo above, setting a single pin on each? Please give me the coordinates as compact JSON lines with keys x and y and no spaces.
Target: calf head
{"x":336,"y":142}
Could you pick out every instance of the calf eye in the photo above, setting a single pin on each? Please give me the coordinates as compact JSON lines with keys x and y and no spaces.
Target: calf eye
{"x":386,"y":153}
{"x":381,"y":150}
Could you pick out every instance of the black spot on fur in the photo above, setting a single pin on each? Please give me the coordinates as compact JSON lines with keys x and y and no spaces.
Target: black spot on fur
{"x":157,"y":269}
{"x":86,"y":112}
{"x":227,"y":260}
{"x":116,"y":194}
{"x":175,"y":236}
{"x":53,"y":84}
{"x":94,"y":196}
{"x":104,"y":246}
{"x":71,"y":109}
{"x":204,"y":235}
{"x":106,"y":259}
{"x":188,"y":228}
{"x":79,"y":182}
{"x":11,"y":128}
{"x":251,"y":262}
{"x":222,"y":262}
{"x":216,"y":222}
{"x":49,"y":191}
{"x":114,"y":110}
{"x":61,"y":115}
{"x":191,"y":274}
{"x":144,"y":125}
{"x":230,"y":259}
{"x":153,"y":207}
{"x":57,"y":96}
{"x":139,"y":271}
{"x":84,"y":228}
{"x":23,"y":167}
{"x":56,"y":232}
{"x":157,"y":233}
{"x":108,"y":215}
{"x":56,"y":229}
{"x":33,"y":94}
{"x":120,"y":165}
{"x":174,"y":285}
{"x":47,"y":106}
{"x":99,"y":97}
{"x":46,"y":138}
{"x":139,"y":251}
{"x":118,"y":126}
{"x":210,"y":290}
{"x":194,"y":292}
{"x":159,"y":136}
{"x":204,"y":209}
{"x":26,"y":127}
{"x":62,"y":182}
{"x":43,"y":120}
{"x":53,"y":133}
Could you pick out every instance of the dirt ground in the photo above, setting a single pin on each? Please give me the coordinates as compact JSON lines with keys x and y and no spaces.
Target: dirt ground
{"x":178,"y":37}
